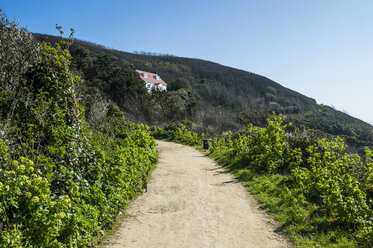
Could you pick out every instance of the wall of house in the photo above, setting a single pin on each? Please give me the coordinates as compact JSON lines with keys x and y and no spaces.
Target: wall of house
{"x":162,"y":87}
{"x":150,"y":86}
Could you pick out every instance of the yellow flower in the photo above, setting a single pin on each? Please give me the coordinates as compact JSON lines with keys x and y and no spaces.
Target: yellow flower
{"x":62,"y":215}
{"x":11,"y":173}
{"x":22,"y":168}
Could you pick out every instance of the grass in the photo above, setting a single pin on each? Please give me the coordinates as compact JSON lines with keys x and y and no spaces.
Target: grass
{"x":299,"y":223}
{"x":304,"y":225}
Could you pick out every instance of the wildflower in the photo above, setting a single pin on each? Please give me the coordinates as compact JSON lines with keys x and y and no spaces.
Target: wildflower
{"x":35,"y":199}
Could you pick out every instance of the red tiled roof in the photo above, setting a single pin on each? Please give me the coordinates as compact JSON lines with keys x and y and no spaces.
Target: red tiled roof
{"x":151,"y":77}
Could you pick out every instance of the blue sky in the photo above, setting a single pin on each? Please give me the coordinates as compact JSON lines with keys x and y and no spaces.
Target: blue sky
{"x":320,"y":48}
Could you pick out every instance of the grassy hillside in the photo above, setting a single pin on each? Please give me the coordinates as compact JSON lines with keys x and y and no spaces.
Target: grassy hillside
{"x":211,"y":98}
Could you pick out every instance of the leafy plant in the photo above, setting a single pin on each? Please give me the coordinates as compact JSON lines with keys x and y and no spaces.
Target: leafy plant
{"x":320,"y":194}
{"x":61,"y":182}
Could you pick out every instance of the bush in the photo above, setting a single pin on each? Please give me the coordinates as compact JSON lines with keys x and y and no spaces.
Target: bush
{"x":61,"y":182}
{"x":179,"y":134}
{"x":314,"y":187}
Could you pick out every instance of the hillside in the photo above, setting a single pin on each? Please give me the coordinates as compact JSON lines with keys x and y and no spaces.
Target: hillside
{"x":212,"y":98}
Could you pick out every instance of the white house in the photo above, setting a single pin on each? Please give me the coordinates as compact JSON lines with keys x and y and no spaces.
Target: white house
{"x":152,"y":81}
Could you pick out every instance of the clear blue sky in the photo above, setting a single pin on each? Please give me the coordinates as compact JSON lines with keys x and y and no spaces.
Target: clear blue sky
{"x":320,"y":48}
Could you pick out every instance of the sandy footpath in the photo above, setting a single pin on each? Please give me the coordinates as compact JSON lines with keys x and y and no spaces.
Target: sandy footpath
{"x":193,"y":202}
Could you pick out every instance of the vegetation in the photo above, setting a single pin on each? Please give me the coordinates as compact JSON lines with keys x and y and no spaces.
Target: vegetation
{"x":62,"y":180}
{"x":215,"y":98}
{"x":179,"y":134}
{"x":70,"y":161}
{"x":108,"y":79}
{"x":321,"y":195}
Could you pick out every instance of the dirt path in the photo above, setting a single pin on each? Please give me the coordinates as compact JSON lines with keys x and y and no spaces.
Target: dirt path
{"x":193,"y":202}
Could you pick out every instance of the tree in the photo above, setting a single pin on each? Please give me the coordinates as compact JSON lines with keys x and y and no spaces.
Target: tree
{"x":180,"y":83}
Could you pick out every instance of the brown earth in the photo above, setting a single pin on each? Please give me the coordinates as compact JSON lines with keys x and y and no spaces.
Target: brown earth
{"x":193,"y":202}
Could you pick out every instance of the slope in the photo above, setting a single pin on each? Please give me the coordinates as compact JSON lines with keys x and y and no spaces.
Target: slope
{"x":213,"y":97}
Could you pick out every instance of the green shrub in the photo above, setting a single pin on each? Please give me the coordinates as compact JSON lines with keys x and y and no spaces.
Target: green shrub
{"x":61,"y":182}
{"x":314,"y":188}
{"x":179,"y":134}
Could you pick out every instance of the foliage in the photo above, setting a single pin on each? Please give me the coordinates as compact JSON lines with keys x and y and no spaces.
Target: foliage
{"x":61,"y":182}
{"x":265,"y":148}
{"x":108,"y":79}
{"x":176,"y":105}
{"x":180,"y":83}
{"x":307,"y":183}
{"x":179,"y":134}
{"x":321,"y":195}
{"x":227,"y":98}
